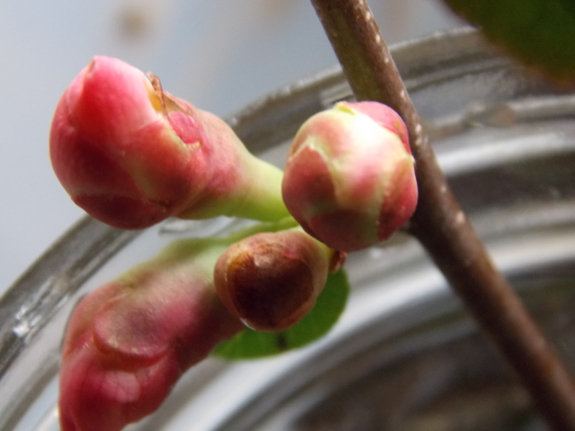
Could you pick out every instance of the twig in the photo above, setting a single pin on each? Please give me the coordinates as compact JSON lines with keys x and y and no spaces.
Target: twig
{"x":439,"y":223}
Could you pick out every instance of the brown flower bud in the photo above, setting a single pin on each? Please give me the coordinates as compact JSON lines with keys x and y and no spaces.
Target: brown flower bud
{"x":272,"y":280}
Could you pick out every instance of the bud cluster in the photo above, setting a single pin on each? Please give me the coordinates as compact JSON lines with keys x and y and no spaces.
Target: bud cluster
{"x":131,"y":155}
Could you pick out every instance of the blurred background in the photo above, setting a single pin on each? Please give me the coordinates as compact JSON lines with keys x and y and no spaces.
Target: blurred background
{"x":219,"y":55}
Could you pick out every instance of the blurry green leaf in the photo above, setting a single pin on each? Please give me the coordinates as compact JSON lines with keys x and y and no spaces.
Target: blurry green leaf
{"x":250,"y":344}
{"x":539,"y":32}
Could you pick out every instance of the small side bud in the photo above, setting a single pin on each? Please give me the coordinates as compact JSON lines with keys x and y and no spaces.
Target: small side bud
{"x":350,"y":179}
{"x":272,"y":280}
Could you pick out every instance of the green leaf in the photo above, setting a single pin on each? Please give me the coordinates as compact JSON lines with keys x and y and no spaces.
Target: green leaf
{"x":250,"y":344}
{"x":539,"y":32}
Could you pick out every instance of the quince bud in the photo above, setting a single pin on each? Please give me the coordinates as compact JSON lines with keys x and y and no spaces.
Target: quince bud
{"x":349,"y":179}
{"x":132,"y":155}
{"x":272,"y":280}
{"x":129,"y":341}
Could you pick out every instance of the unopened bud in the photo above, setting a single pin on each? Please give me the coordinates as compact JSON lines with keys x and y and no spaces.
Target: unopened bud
{"x":349,"y":179}
{"x":131,"y":155}
{"x":129,"y":341}
{"x":272,"y":280}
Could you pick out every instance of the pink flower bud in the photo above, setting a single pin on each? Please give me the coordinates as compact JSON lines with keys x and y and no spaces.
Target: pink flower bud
{"x":272,"y":280}
{"x":349,"y":179}
{"x":384,"y":116}
{"x":129,"y":341}
{"x":132,"y":155}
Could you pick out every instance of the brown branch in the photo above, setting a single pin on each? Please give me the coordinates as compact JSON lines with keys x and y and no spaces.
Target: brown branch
{"x":439,"y":223}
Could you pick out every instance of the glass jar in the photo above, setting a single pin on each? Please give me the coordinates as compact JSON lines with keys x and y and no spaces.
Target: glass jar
{"x":405,"y":354}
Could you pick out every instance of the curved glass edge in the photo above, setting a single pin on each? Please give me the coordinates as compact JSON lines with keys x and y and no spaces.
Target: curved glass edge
{"x":32,"y":300}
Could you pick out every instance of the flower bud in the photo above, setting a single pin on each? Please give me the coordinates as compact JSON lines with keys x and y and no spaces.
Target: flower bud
{"x":349,"y":179}
{"x":272,"y":280}
{"x":128,"y":342}
{"x":132,"y":155}
{"x":384,"y":116}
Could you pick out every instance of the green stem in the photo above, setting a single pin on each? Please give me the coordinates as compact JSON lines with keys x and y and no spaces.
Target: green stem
{"x":283,"y":224}
{"x":439,"y":223}
{"x":204,"y":252}
{"x":261,"y":197}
